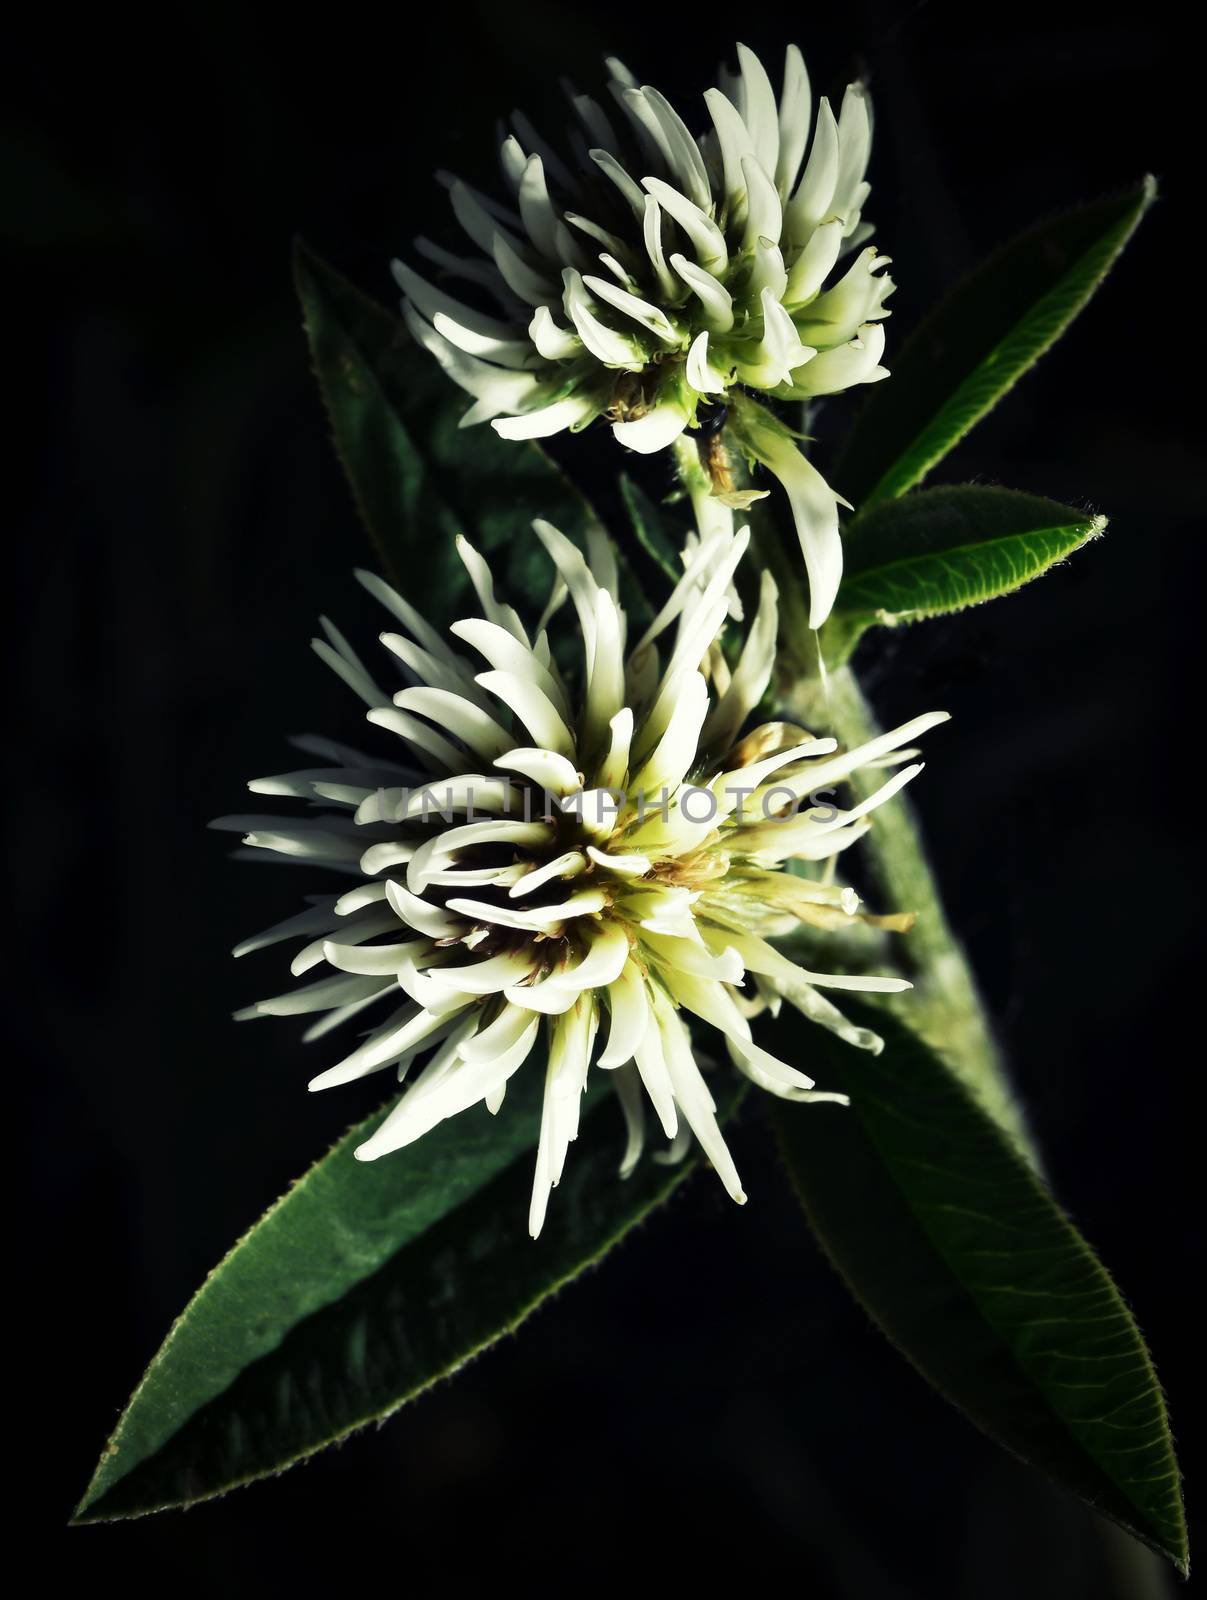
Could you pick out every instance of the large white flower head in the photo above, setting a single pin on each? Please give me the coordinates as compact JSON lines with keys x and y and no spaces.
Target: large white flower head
{"x":583,"y":868}
{"x":651,"y":273}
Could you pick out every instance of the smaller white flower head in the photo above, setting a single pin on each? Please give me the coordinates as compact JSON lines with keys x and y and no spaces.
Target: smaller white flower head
{"x":569,"y":868}
{"x":650,"y":271}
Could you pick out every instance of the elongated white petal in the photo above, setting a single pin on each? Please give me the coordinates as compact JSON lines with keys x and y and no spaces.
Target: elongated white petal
{"x":473,"y":726}
{"x":437,"y":751}
{"x":815,"y":513}
{"x":433,"y":302}
{"x":716,"y":300}
{"x":611,"y":348}
{"x":651,"y":233}
{"x":759,"y":108}
{"x":683,"y":155}
{"x":533,"y":707}
{"x":547,"y":420}
{"x":735,"y":143}
{"x":692,"y":1097}
{"x":660,"y":427}
{"x":420,"y":914}
{"x":847,"y":365}
{"x":764,"y":214}
{"x":568,"y":865}
{"x":706,"y":238}
{"x":629,"y":188}
{"x":701,"y":373}
{"x":553,"y":342}
{"x":642,"y":312}
{"x":795,"y":114}
{"x":382,"y":1049}
{"x":627,"y":1083}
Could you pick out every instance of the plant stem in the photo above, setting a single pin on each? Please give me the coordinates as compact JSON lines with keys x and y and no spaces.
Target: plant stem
{"x":944,"y":1007}
{"x":709,"y":513}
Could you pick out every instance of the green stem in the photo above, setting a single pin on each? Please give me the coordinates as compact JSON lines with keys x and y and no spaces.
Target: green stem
{"x":944,"y":1006}
{"x":709,"y":514}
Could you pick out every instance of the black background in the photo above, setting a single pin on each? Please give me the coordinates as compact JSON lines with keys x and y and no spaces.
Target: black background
{"x":708,"y":1404}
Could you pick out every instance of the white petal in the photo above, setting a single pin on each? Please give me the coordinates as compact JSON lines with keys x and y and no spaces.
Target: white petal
{"x":847,"y":364}
{"x":752,"y":673}
{"x":706,"y":238}
{"x":854,"y":149}
{"x":759,"y":109}
{"x":552,"y":772}
{"x":432,"y":301}
{"x":433,"y":920}
{"x":815,"y":513}
{"x":701,"y":373}
{"x":630,"y":1015}
{"x":683,"y":153}
{"x":568,"y":865}
{"x":504,"y":651}
{"x":547,"y":420}
{"x":491,"y":976}
{"x":660,"y":427}
{"x":627,"y":1084}
{"x":733,"y":136}
{"x":468,"y":722}
{"x":532,"y":707}
{"x":675,"y":752}
{"x":693,"y":1098}
{"x":536,"y":208}
{"x":607,"y":163}
{"x":814,"y":264}
{"x":611,"y":348}
{"x":651,"y":231}
{"x":814,"y":196}
{"x":532,"y":286}
{"x":628,"y":864}
{"x":795,"y":112}
{"x":713,"y":296}
{"x":381,"y":1049}
{"x":441,"y":755}
{"x":554,"y":343}
{"x":764,"y":215}
{"x":641,"y":311}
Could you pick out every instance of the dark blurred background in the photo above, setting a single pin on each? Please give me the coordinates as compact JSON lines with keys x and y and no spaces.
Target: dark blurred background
{"x":709,"y":1404}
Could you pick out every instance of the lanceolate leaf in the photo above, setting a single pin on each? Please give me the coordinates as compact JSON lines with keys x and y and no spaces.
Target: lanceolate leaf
{"x":419,"y":478}
{"x":940,"y":550}
{"x":968,"y":1264}
{"x":650,"y":527}
{"x":980,"y":341}
{"x":362,"y":1286}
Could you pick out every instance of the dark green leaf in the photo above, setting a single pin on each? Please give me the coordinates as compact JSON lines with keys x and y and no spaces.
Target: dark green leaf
{"x":649,"y":525}
{"x":968,"y":1264}
{"x":419,"y":478}
{"x":979,"y":341}
{"x":940,"y":550}
{"x":361,"y":1287}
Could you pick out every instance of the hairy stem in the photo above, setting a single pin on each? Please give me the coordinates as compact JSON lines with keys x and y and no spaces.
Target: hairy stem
{"x":944,"y":1006}
{"x":709,"y":514}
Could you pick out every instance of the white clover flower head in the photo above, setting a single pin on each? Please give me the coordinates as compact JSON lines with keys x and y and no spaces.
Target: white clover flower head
{"x":538,"y":869}
{"x":651,"y":273}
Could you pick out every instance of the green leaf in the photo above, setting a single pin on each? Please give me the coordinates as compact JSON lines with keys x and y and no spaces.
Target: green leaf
{"x":418,"y":477}
{"x":966,"y":1261}
{"x":940,"y":550}
{"x":362,"y":1286}
{"x":650,"y":527}
{"x":978,"y":342}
